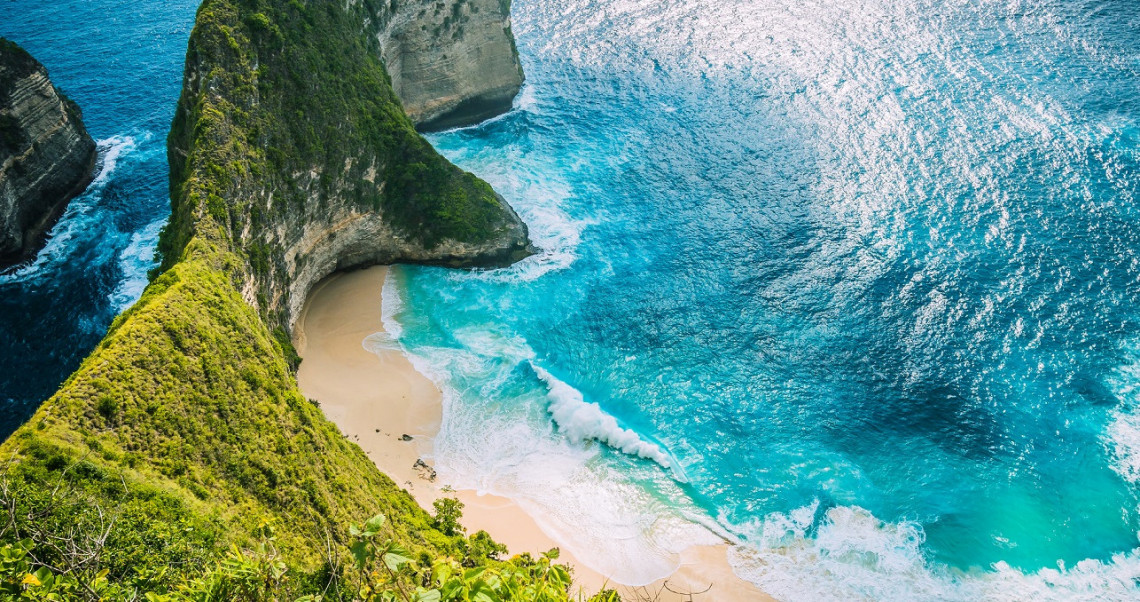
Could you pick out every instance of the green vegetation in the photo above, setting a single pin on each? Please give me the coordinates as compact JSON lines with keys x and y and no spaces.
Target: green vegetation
{"x":180,"y":462}
{"x":286,"y":110}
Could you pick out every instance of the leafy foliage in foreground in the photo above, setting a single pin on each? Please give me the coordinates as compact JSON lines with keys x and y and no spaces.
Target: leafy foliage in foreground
{"x":62,"y":543}
{"x":380,"y":571}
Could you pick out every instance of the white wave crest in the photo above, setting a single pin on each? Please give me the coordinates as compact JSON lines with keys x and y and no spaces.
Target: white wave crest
{"x":110,"y":151}
{"x":496,"y":437}
{"x":1122,"y":436}
{"x":391,"y":304}
{"x":556,"y":237}
{"x":583,"y":421}
{"x":81,"y":215}
{"x":855,"y":556}
{"x":135,"y":261}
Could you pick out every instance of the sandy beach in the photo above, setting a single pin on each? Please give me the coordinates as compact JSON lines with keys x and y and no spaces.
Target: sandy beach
{"x":380,"y":402}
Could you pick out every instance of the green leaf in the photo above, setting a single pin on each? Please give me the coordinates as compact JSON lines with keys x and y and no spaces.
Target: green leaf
{"x":360,"y":553}
{"x":441,"y":571}
{"x":427,"y":595}
{"x":375,"y":523}
{"x":560,"y":574}
{"x":396,"y":557}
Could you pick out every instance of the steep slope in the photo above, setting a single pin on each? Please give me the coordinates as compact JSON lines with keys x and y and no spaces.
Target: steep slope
{"x":289,"y":139}
{"x":46,"y":156}
{"x":290,"y":158}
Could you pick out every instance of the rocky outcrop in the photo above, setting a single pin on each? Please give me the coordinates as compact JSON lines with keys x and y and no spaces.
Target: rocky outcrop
{"x":46,"y":156}
{"x":452,"y":62}
{"x":291,"y":149}
{"x":290,"y":157}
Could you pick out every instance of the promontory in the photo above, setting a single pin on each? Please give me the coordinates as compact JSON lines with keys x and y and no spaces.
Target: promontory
{"x":180,"y":461}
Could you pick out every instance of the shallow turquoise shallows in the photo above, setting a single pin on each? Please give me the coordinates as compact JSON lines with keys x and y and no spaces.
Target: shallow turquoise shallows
{"x":853,"y":284}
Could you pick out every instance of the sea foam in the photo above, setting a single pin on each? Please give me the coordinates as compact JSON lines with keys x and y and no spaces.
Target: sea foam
{"x":846,"y":553}
{"x":135,"y":261}
{"x":81,"y":215}
{"x":497,"y":437}
{"x":583,"y":421}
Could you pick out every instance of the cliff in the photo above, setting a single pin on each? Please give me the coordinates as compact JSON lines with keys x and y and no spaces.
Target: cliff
{"x":472,"y":75}
{"x":290,"y":145}
{"x":46,"y":156}
{"x":184,"y":433}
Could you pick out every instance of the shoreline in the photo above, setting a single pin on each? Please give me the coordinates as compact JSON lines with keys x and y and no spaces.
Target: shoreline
{"x":379,"y":401}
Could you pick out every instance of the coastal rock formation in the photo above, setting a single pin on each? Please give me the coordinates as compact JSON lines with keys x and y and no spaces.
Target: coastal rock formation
{"x":290,"y":157}
{"x":46,"y":156}
{"x":290,"y":145}
{"x":452,"y":62}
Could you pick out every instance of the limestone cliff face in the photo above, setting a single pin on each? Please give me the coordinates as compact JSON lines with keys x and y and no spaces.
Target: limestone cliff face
{"x":452,"y":62}
{"x":291,"y":150}
{"x":46,"y":156}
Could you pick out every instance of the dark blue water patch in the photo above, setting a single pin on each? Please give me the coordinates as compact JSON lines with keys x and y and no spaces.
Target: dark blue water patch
{"x":122,"y":63}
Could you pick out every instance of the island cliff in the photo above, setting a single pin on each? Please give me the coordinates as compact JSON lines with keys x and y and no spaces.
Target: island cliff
{"x":295,"y":149}
{"x":183,"y":435}
{"x":46,"y":156}
{"x":452,"y":63}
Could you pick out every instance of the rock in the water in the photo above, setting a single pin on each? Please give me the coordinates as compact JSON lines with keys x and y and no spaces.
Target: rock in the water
{"x":46,"y":156}
{"x":453,"y":63}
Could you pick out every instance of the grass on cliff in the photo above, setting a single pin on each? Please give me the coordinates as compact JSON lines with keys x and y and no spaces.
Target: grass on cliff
{"x":189,"y":401}
{"x":298,"y":102}
{"x":162,"y":463}
{"x":182,"y":441}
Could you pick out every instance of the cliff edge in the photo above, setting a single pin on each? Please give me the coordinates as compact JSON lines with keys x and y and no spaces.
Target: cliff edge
{"x":452,"y":63}
{"x":46,"y":156}
{"x":290,"y":146}
{"x":181,"y":448}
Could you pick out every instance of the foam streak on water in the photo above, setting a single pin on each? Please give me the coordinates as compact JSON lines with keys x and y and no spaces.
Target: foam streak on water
{"x":867,"y":269}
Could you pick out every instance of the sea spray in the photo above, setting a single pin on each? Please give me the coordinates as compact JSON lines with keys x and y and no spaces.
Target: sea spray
{"x":496,"y":437}
{"x":539,"y":199}
{"x":1122,"y":436}
{"x":583,"y":421}
{"x":135,"y":261}
{"x":83,"y":214}
{"x":391,"y":303}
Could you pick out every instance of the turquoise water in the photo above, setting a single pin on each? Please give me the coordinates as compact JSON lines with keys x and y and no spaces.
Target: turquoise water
{"x":122,"y":62}
{"x":852,"y":284}
{"x":856,"y":284}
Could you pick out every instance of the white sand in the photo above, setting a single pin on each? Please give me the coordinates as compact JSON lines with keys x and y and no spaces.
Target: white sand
{"x":377,"y":398}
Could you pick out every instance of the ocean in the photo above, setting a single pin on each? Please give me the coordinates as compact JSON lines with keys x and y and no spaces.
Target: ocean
{"x":121,"y":61}
{"x":854,"y":285}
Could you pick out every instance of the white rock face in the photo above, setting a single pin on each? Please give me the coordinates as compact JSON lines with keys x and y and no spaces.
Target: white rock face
{"x":332,"y":207}
{"x":452,"y":62}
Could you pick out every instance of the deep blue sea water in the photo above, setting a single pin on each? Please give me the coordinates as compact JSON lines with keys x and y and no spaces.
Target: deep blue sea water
{"x":121,"y":61}
{"x":855,"y":284}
